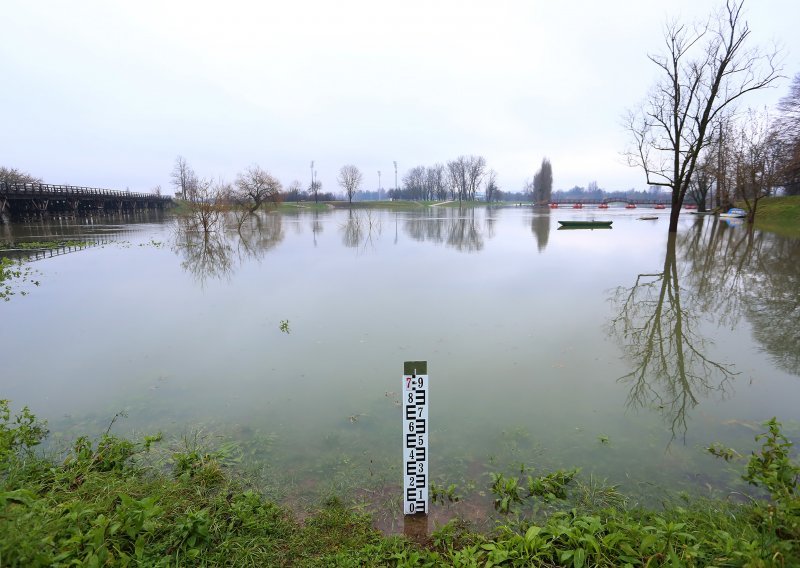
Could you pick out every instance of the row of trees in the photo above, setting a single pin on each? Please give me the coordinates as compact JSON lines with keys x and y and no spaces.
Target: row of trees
{"x":460,"y":179}
{"x":253,"y":187}
{"x":688,"y":135}
{"x":750,"y":155}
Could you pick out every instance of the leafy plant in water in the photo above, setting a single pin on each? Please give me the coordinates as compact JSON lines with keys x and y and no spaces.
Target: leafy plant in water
{"x":19,"y":433}
{"x":720,"y":451}
{"x":11,"y":272}
{"x":551,"y":486}
{"x":772,"y":466}
{"x":595,"y":494}
{"x":284,"y":326}
{"x":443,"y":494}
{"x":507,"y":492}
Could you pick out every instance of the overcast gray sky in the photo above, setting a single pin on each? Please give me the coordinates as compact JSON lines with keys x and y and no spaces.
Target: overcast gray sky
{"x":107,"y":94}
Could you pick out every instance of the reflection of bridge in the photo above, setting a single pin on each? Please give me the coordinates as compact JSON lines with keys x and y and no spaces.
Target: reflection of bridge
{"x":41,"y":200}
{"x":59,"y":242}
{"x":609,"y":201}
{"x":31,"y":255}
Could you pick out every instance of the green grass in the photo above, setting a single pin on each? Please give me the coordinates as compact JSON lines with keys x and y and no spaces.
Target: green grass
{"x":400,"y":205}
{"x":118,"y":502}
{"x":779,"y":215}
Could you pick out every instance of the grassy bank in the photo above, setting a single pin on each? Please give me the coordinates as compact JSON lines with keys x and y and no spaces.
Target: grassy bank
{"x":779,"y":215}
{"x":114,"y":501}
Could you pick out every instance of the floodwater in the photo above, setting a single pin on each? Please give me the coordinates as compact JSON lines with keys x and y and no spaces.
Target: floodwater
{"x":620,"y":351}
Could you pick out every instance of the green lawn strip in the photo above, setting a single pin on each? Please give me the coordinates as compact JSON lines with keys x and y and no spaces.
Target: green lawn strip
{"x":779,"y":215}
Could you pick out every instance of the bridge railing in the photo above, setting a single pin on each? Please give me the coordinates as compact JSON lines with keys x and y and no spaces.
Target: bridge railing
{"x":50,"y":190}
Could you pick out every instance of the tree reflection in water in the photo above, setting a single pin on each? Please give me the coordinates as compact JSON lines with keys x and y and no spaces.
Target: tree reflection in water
{"x":656,"y":327}
{"x":748,"y":274}
{"x":214,"y":255}
{"x":458,"y":228}
{"x":361,"y":227}
{"x":728,"y":273}
{"x":258,"y":235}
{"x":540,"y":227}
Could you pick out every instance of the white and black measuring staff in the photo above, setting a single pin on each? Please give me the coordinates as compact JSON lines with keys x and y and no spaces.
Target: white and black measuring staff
{"x":415,"y":437}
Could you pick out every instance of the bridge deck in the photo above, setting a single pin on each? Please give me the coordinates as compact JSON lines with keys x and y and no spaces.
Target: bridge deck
{"x":39,"y":200}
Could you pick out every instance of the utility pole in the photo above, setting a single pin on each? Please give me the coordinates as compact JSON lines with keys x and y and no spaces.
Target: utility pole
{"x":379,"y":184}
{"x":395,"y":177}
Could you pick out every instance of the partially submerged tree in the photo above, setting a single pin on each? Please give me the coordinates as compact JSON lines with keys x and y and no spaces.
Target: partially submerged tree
{"x":207,"y":204}
{"x":257,"y":186}
{"x":705,"y":69}
{"x":349,"y":179}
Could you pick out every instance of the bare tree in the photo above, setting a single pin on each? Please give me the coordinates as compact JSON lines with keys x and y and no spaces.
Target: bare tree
{"x":491,"y":188}
{"x":457,"y":179}
{"x":476,"y":170}
{"x":13,"y":175}
{"x":756,"y":161}
{"x":701,"y":183}
{"x":465,"y":174}
{"x":293,"y":191}
{"x":256,"y":186}
{"x":314,"y":189}
{"x":350,"y":180}
{"x":706,"y":68}
{"x":414,"y":183}
{"x":207,"y":204}
{"x":436,"y":180}
{"x":787,"y":134}
{"x":184,"y":179}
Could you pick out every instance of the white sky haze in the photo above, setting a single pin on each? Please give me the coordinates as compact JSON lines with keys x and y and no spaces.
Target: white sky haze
{"x":107,"y":94}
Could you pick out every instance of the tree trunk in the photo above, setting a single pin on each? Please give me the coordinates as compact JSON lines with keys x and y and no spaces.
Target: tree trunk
{"x":675,"y":211}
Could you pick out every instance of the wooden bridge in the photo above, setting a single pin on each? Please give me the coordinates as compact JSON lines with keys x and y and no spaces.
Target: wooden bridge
{"x":29,"y":201}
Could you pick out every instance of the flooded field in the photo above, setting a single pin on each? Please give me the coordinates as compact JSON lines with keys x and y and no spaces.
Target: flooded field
{"x":282,"y":342}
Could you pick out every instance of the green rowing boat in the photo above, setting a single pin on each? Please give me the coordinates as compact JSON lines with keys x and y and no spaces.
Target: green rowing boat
{"x":585,"y":224}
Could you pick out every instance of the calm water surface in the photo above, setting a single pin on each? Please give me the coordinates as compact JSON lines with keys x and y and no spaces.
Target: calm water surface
{"x":618,"y":351}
